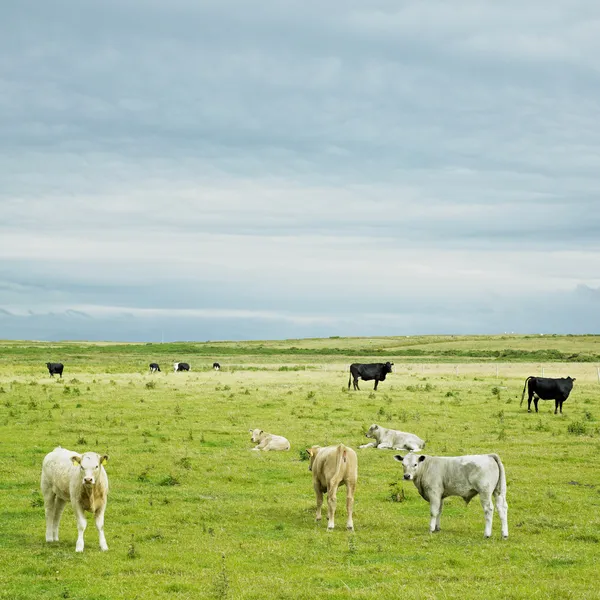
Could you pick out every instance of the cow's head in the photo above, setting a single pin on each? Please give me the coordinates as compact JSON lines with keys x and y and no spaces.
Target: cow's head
{"x":388,"y":367}
{"x":410,"y":464}
{"x":312,"y":454}
{"x":256,"y":434}
{"x":89,"y":465}
{"x":372,"y":430}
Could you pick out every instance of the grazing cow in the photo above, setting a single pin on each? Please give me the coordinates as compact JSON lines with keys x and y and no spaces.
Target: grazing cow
{"x":81,"y":479}
{"x":216,"y":366}
{"x":376,"y":371}
{"x":437,"y":477}
{"x":181,"y":367}
{"x":154,"y":367}
{"x":55,"y":369}
{"x":546,"y":388}
{"x":331,"y":467}
{"x":268,"y":441}
{"x":387,"y":439}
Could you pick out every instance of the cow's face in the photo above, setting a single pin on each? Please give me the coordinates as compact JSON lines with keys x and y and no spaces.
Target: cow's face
{"x":256,"y":434}
{"x":410,"y":464}
{"x":312,"y":454}
{"x":89,"y":466}
{"x":388,"y":367}
{"x":372,"y":430}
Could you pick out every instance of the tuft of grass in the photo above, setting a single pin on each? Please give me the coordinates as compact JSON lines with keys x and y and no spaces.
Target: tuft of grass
{"x":169,"y":480}
{"x":577,"y":428}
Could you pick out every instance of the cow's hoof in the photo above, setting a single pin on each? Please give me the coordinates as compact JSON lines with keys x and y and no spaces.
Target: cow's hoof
{"x":350,"y":528}
{"x":528,"y":410}
{"x":329,"y":527}
{"x":505,"y":537}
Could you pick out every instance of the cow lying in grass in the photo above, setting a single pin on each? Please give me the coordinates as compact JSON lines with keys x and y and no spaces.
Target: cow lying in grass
{"x":387,"y":439}
{"x":80,"y":479}
{"x":437,"y":477}
{"x":268,"y":441}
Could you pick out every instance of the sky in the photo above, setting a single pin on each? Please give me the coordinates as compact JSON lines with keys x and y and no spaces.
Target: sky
{"x":226,"y":170}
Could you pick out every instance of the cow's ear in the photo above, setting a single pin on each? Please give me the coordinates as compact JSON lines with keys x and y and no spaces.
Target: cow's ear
{"x":398,"y":457}
{"x":421,"y":458}
{"x":76,"y":459}
{"x":104,"y":459}
{"x":261,"y":431}
{"x":310,"y":451}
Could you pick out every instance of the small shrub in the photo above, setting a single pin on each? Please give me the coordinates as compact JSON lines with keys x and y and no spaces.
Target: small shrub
{"x":186,"y":463}
{"x":303,"y":454}
{"x":577,"y":428}
{"x":131,"y":551}
{"x":150,"y":385}
{"x":144,"y":475}
{"x":56,"y":405}
{"x":310,"y":395}
{"x":81,"y":441}
{"x":496,"y":391}
{"x":221,"y":585}
{"x":169,"y":480}
{"x":587,"y":416}
{"x":36,"y":500}
{"x":397,"y":492}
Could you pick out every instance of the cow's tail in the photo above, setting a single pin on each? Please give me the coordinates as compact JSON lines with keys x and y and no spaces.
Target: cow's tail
{"x":500,"y":488}
{"x":524,"y":388}
{"x":350,"y":378}
{"x":340,"y":461}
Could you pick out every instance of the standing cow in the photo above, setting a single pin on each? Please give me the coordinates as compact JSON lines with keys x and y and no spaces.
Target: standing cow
{"x":376,"y":371}
{"x":547,"y":388}
{"x":180,"y":366}
{"x":437,"y":477}
{"x":331,"y":467}
{"x":216,"y":366}
{"x":154,"y":368}
{"x":55,"y":369}
{"x":80,"y":479}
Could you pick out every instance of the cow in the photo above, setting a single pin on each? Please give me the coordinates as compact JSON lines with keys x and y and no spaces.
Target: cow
{"x":331,"y":467}
{"x":437,"y":477}
{"x":154,"y":368}
{"x":376,"y":371}
{"x":546,"y":388}
{"x":216,"y":366}
{"x":80,"y":479}
{"x":55,"y":369}
{"x":268,"y":441}
{"x":181,"y":367}
{"x":387,"y":439}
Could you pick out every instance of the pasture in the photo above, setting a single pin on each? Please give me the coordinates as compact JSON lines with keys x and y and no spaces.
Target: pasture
{"x":194,"y":513}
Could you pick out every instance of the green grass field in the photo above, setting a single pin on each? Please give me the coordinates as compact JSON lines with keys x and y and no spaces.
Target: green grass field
{"x":194,"y":513}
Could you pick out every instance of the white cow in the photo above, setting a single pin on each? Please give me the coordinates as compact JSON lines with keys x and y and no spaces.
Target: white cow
{"x":268,"y":441}
{"x":331,"y":467}
{"x":81,"y":479}
{"x":386,"y":439}
{"x":437,"y":477}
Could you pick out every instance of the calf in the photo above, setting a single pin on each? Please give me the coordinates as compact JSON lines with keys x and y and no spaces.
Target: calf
{"x":154,"y":367}
{"x":268,"y":441}
{"x":376,"y":371}
{"x":80,"y":479}
{"x":179,"y":366}
{"x":55,"y":368}
{"x":331,"y":467}
{"x":547,"y":388}
{"x":437,"y":477}
{"x":216,"y":366}
{"x":386,"y":439}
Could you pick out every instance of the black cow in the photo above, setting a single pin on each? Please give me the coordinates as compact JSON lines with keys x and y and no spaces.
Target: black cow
{"x":216,"y":366}
{"x":181,"y":367}
{"x":154,"y":367}
{"x":546,"y":388}
{"x":376,"y":371}
{"x":55,"y":368}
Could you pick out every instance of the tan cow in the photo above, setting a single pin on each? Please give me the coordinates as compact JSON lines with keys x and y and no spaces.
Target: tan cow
{"x":268,"y":441}
{"x":80,"y":479}
{"x":331,"y":467}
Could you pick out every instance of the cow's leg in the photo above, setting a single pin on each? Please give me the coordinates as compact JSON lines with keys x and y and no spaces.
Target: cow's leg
{"x":385,"y":446}
{"x":435,"y":509}
{"x":502,"y":508}
{"x":356,"y":384}
{"x":369,"y":445}
{"x":319,"y":494}
{"x":488,"y":511}
{"x":49,"y":503}
{"x":81,"y":525}
{"x":331,"y":504}
{"x":59,"y":506}
{"x":99,"y":515}
{"x":349,"y":505}
{"x":376,"y":384}
{"x":439,"y":517}
{"x":535,"y":401}
{"x":555,"y":405}
{"x":561,"y":403}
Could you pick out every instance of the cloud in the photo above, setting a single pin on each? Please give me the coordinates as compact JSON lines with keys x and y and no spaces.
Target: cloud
{"x":275,"y":159}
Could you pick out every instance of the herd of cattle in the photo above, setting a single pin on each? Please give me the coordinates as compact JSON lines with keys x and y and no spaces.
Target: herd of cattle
{"x":82,"y":480}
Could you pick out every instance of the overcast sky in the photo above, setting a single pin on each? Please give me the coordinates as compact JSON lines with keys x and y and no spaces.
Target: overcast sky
{"x":203,"y":170}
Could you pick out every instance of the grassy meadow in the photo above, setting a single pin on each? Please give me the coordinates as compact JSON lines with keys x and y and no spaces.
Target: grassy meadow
{"x":194,"y":513}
